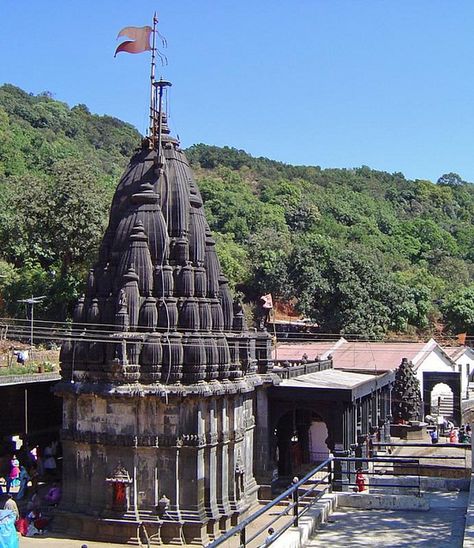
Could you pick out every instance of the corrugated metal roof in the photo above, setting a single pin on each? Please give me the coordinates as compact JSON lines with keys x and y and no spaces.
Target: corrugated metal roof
{"x":328,"y":379}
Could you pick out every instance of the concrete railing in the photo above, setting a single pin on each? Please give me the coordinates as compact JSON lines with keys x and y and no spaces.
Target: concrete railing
{"x":286,"y":369}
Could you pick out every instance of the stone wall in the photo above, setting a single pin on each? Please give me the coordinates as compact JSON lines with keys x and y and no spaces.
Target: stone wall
{"x":196,"y":451}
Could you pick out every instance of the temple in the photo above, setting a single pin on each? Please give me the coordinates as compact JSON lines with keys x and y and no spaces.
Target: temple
{"x":176,"y":417}
{"x":159,"y":374}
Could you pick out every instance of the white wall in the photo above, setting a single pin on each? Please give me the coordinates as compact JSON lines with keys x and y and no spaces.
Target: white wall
{"x":435,"y":360}
{"x":318,"y":433}
{"x":466,"y":361}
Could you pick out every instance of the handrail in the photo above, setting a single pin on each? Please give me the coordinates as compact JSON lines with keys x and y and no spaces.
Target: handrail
{"x":294,"y":505}
{"x":458,"y":445}
{"x":238,"y":529}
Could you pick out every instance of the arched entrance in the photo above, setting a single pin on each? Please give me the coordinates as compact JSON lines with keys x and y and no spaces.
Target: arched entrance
{"x":301,"y":436}
{"x":318,"y":434}
{"x":442,"y":401}
{"x":450,"y":378}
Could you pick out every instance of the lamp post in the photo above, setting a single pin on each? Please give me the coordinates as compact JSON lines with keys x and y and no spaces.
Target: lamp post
{"x":32,"y":301}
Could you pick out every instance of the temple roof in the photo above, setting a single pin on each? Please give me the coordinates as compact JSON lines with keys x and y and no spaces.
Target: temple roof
{"x":158,"y":285}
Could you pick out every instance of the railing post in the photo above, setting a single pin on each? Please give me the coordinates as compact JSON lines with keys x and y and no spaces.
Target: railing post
{"x":419,"y":477}
{"x":337,"y":469}
{"x":242,"y":538}
{"x":295,"y":507}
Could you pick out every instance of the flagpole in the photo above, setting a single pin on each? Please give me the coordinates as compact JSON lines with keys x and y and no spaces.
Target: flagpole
{"x":152,"y":86}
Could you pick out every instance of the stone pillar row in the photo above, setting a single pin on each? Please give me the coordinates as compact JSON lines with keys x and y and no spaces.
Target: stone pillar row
{"x":207,"y":475}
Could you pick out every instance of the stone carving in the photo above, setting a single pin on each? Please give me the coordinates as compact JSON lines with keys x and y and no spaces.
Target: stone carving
{"x":239,"y":476}
{"x":119,"y":475}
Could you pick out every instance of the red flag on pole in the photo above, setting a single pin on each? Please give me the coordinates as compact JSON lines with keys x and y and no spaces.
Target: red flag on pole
{"x":140,"y":40}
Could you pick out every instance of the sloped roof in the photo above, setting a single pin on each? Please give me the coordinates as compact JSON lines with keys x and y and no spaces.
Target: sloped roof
{"x":377,"y":357}
{"x":380,"y":357}
{"x":289,"y":351}
{"x":455,"y":352}
{"x":330,"y":378}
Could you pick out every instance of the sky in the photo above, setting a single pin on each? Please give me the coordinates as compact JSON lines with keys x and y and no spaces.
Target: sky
{"x":335,"y":83}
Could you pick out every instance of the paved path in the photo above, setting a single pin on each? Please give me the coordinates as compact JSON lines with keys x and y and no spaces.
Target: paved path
{"x":440,"y":527}
{"x":51,"y":542}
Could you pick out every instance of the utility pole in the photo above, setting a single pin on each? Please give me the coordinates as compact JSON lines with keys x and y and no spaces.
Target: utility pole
{"x":32,"y":301}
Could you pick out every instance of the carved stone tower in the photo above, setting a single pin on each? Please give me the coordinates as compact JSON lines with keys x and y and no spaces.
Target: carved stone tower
{"x":160,"y":373}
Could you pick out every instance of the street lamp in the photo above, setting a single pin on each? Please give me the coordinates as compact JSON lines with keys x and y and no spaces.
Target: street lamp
{"x":32,"y":301}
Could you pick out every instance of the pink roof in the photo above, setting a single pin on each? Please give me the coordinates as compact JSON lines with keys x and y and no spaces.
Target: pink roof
{"x":296,"y":351}
{"x":378,"y":357}
{"x":454,"y":352}
{"x":354,"y":356}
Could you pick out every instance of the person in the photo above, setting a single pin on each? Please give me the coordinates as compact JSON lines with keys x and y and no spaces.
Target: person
{"x":37,"y":523}
{"x":434,"y":436}
{"x":360,"y":481}
{"x":53,"y":496}
{"x":49,"y":463}
{"x":10,"y":504}
{"x":12,"y":480}
{"x":22,"y":526}
{"x":163,"y":505}
{"x":34,"y":476}
{"x":453,"y":436}
{"x":34,"y":503}
{"x":24,"y":478}
{"x":33,"y":455}
{"x":21,"y":356}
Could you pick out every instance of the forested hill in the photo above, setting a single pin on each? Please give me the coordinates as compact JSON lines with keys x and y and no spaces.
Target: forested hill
{"x":59,"y":167}
{"x":361,"y":251}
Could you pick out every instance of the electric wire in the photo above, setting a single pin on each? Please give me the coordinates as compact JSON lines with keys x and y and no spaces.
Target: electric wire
{"x":314,"y":338}
{"x":139,"y":337}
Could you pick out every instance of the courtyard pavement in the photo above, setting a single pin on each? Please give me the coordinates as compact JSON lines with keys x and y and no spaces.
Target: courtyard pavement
{"x":440,"y":527}
{"x":49,"y":541}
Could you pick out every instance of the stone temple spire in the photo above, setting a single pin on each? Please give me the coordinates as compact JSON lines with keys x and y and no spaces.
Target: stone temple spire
{"x":158,"y":282}
{"x":160,"y":376}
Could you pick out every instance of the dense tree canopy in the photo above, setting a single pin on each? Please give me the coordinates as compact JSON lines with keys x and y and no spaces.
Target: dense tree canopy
{"x":58,"y":170}
{"x":361,"y":251}
{"x":358,"y":250}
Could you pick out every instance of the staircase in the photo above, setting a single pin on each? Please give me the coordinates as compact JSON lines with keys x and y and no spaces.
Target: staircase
{"x":445,"y":408}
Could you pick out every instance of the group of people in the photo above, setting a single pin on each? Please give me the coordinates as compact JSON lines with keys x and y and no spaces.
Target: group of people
{"x":32,"y":521}
{"x":34,"y":464}
{"x":22,"y":475}
{"x":455,"y":435}
{"x":18,"y":477}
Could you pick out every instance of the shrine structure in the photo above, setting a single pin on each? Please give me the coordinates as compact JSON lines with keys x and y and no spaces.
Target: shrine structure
{"x":159,"y":374}
{"x":174,"y":413}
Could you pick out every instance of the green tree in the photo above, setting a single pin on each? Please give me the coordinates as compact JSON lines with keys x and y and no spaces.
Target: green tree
{"x":451,"y":179}
{"x":458,"y":310}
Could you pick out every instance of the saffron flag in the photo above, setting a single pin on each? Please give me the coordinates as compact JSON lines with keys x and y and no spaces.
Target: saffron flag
{"x":140,"y":40}
{"x":462,"y":338}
